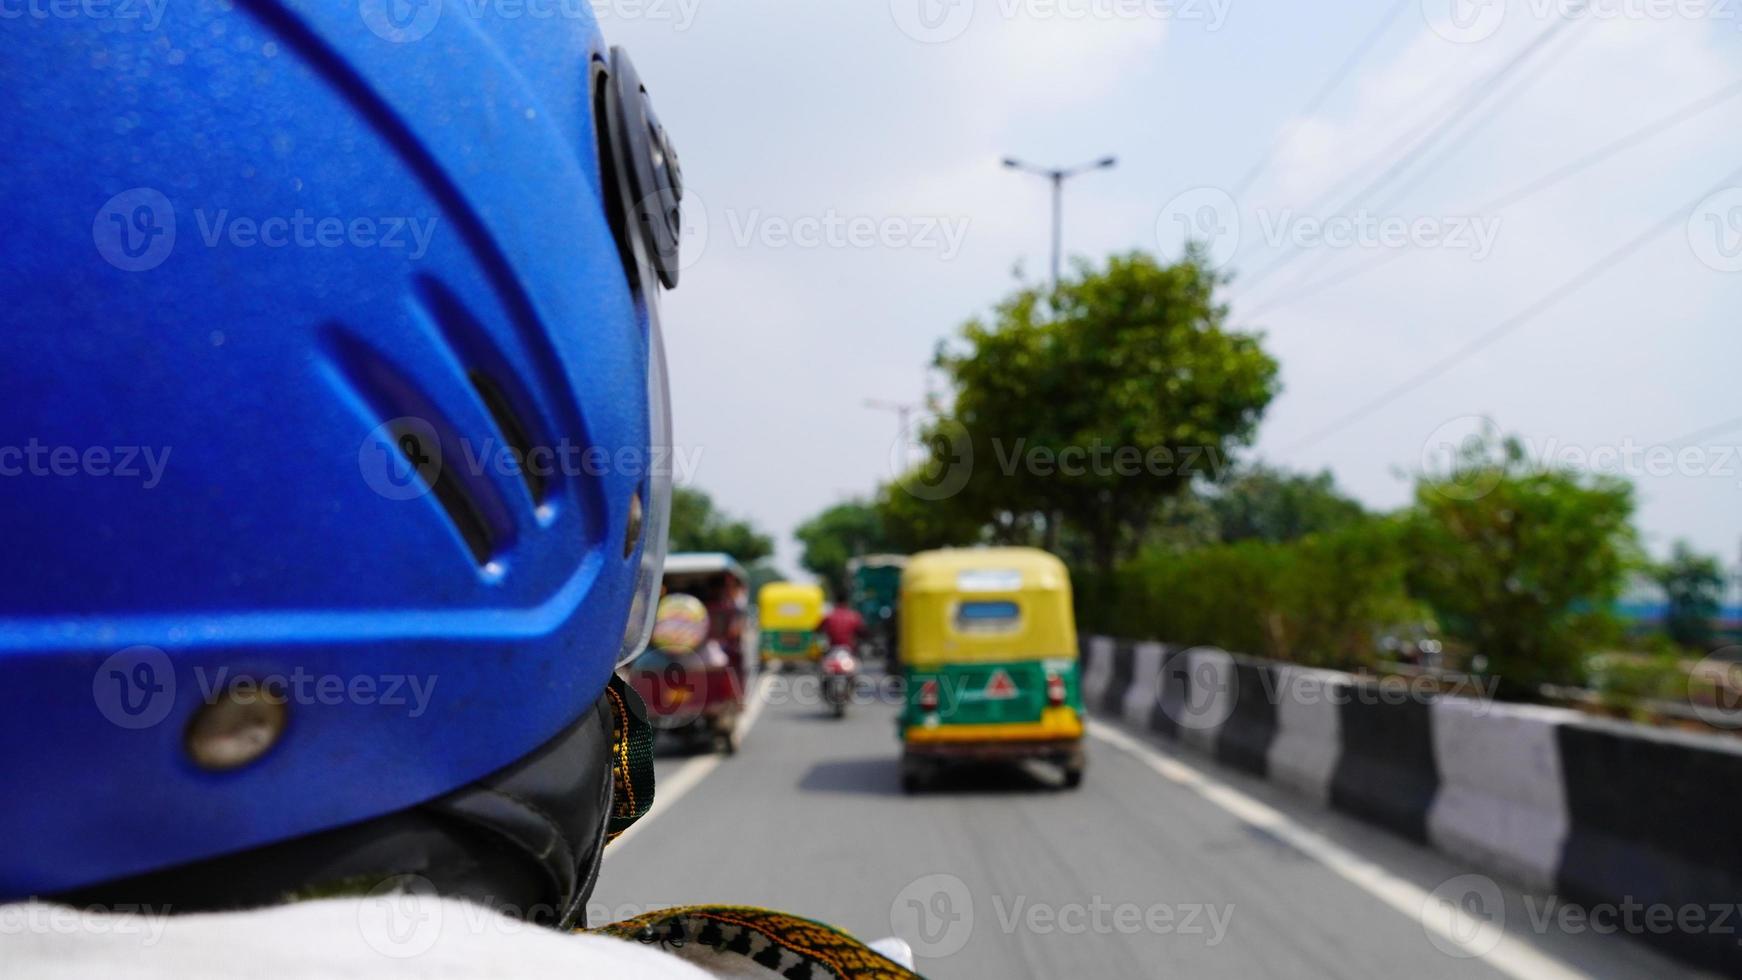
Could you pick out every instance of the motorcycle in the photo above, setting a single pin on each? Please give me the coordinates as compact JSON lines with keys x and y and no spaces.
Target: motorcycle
{"x":840,"y":672}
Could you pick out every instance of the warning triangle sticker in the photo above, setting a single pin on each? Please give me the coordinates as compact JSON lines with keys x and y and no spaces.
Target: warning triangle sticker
{"x":1000,"y":687}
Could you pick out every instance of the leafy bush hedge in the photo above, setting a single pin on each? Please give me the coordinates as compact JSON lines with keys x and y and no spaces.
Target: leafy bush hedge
{"x":1517,"y":561}
{"x":1318,"y":600}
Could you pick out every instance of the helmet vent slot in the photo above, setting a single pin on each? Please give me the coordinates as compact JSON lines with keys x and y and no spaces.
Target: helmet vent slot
{"x":501,"y":389}
{"x":434,"y":459}
{"x":461,"y":509}
{"x":533,"y":469}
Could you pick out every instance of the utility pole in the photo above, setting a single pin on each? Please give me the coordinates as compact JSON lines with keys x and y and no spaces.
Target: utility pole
{"x":1058,"y":177}
{"x":903,"y":411}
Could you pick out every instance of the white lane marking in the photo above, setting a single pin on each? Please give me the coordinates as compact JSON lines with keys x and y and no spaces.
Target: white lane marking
{"x":1511,"y":956}
{"x":670,"y":789}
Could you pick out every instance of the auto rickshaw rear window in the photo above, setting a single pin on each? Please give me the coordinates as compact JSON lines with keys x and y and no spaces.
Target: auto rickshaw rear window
{"x":988,"y":617}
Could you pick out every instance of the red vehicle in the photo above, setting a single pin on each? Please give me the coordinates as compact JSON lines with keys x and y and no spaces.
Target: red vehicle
{"x":695,"y":680}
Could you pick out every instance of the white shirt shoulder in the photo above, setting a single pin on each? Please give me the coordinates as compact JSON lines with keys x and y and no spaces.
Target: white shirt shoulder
{"x":335,"y":939}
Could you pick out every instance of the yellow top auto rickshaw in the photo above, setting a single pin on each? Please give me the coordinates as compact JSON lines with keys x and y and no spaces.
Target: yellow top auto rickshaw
{"x":989,"y":653}
{"x":788,"y":615}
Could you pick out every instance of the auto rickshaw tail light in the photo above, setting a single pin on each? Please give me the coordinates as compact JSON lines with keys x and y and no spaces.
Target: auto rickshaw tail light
{"x":928,"y":696}
{"x":1055,"y":690}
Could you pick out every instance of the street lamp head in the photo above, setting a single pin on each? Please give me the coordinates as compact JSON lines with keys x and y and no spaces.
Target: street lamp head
{"x":1058,"y":178}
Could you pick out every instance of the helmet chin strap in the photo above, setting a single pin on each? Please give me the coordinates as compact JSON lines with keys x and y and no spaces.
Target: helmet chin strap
{"x":526,"y":841}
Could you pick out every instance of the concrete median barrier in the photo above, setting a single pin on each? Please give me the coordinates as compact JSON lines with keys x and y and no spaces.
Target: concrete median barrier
{"x":1245,"y":738}
{"x":1387,"y":773}
{"x":1208,"y":697}
{"x":1502,"y":800}
{"x":1145,"y":691}
{"x":1171,"y":693}
{"x":1613,"y":816}
{"x":1652,"y":828}
{"x":1097,"y":669}
{"x":1309,"y":730}
{"x":1122,"y":668}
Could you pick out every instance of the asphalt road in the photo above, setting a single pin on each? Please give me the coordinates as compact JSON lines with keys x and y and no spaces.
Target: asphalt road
{"x":1161,"y":865}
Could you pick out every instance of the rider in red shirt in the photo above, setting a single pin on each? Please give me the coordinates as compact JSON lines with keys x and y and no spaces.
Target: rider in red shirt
{"x":843,"y":626}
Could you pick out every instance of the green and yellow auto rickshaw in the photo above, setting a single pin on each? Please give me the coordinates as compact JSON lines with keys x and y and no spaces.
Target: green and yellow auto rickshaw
{"x":788,"y":615}
{"x":989,"y":653}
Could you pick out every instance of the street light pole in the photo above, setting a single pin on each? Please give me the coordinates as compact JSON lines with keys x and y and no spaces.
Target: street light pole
{"x":1058,"y":225}
{"x":903,"y":411}
{"x":1058,"y":176}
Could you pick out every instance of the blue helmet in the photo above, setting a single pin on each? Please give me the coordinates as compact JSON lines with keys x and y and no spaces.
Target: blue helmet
{"x":331,"y":437}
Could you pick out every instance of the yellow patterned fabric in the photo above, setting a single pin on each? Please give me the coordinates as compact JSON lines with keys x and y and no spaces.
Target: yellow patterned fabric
{"x":780,"y":944}
{"x":631,"y":759}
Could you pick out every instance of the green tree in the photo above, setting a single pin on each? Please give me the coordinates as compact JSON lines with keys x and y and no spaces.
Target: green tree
{"x":762,"y":573}
{"x":914,"y":523}
{"x":697,"y":526}
{"x":838,"y":535}
{"x":1521,"y":563}
{"x":1091,"y":410}
{"x":1185,"y":522}
{"x":1694,"y":586}
{"x":1268,"y":504}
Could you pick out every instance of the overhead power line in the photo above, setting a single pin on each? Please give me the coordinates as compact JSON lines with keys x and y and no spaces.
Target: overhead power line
{"x":1509,"y":97}
{"x":1560,"y":175}
{"x":1690,"y":111}
{"x":1449,"y":151}
{"x":1708,"y":432}
{"x":1277,"y":302}
{"x":1507,"y":326}
{"x":1331,"y":84}
{"x":1468,"y":101}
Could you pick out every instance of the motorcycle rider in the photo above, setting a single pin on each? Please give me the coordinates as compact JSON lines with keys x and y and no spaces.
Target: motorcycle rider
{"x":374,"y":293}
{"x":843,"y":626}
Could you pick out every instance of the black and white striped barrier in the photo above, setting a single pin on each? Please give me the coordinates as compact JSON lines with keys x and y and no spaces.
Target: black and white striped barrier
{"x":1604,"y":814}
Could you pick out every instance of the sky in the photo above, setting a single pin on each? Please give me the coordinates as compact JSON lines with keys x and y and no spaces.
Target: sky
{"x":848,"y":211}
